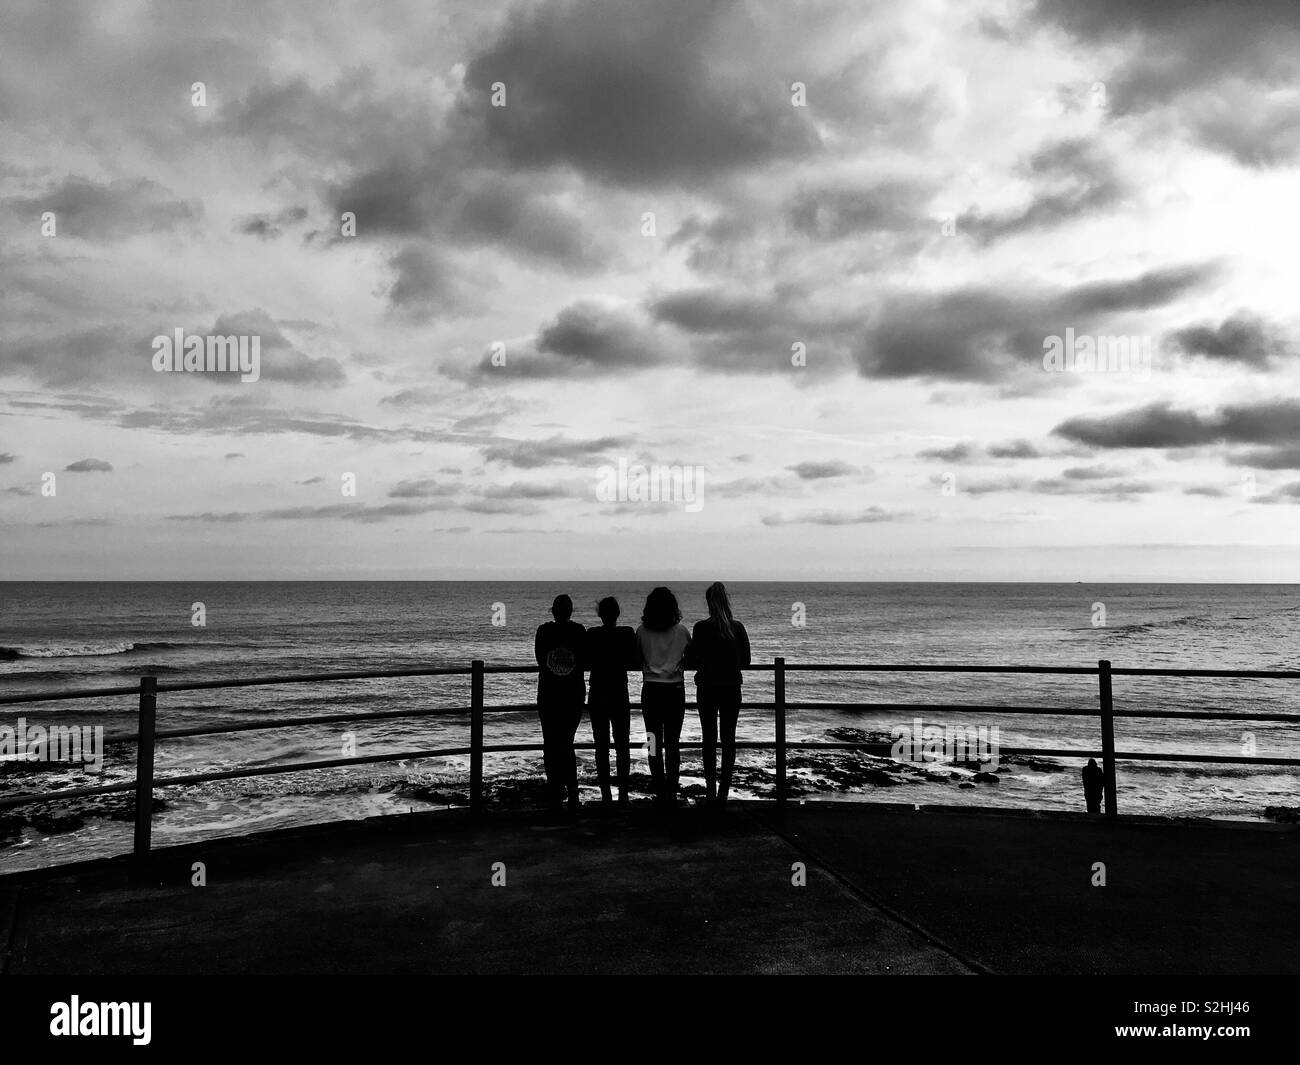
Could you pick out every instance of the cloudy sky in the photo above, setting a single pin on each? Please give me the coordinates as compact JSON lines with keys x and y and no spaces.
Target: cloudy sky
{"x":814,"y":249}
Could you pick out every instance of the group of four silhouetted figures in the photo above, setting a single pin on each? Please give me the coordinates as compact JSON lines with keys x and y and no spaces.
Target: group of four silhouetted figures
{"x":663,"y":649}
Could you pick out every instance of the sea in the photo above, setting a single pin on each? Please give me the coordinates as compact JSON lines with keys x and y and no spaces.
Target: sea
{"x":72,"y":636}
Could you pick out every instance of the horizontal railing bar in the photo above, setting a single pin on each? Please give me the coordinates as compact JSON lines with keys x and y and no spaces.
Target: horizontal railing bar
{"x":1208,"y":715}
{"x":1277,"y":674}
{"x":69,"y":693}
{"x":315,"y":719}
{"x":913,"y":667}
{"x":843,"y":667}
{"x":310,"y":678}
{"x":948,"y":708}
{"x":300,"y":767}
{"x":26,"y":797}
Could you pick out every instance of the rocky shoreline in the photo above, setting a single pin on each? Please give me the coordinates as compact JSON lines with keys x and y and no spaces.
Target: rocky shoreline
{"x":810,"y":773}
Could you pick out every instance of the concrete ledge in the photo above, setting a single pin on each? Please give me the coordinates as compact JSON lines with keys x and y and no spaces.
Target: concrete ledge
{"x":890,"y":889}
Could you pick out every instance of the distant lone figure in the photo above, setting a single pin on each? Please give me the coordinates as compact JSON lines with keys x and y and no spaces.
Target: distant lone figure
{"x":1094,"y":783}
{"x":611,"y":651}
{"x":560,"y":691}
{"x":719,"y":650}
{"x":663,"y":642}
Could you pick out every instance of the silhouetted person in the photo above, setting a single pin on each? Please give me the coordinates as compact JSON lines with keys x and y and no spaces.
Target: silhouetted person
{"x":611,"y":651}
{"x":560,"y":691}
{"x":719,"y":649}
{"x":663,"y":642}
{"x":1094,"y":784}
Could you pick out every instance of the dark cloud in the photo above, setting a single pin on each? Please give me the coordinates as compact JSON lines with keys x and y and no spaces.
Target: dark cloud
{"x":108,"y":211}
{"x":1096,"y":484}
{"x":501,"y":506}
{"x":209,"y":517}
{"x":727,"y":329}
{"x":281,"y":359}
{"x":716,"y":310}
{"x":522,"y":490}
{"x":981,"y":333}
{"x":1286,"y":457}
{"x":1287,"y":493}
{"x":6,"y":457}
{"x":89,"y":466}
{"x":961,"y":452}
{"x":1071,"y":179}
{"x":589,"y":333}
{"x":1015,"y":449}
{"x":530,"y":454}
{"x":426,"y":488}
{"x":415,"y":397}
{"x":469,"y":206}
{"x":267,"y":226}
{"x":424,"y":285}
{"x":585,"y":338}
{"x":1273,"y":422}
{"x":1208,"y":64}
{"x":835,"y":212}
{"x":817,"y":471}
{"x":632,"y":93}
{"x":1242,"y":338}
{"x":366,"y":513}
{"x":870,"y":516}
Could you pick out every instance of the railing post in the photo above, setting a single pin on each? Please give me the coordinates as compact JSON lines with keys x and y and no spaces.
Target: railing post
{"x":144,"y":765}
{"x":476,"y":736}
{"x":1107,"y":735}
{"x":779,"y":695}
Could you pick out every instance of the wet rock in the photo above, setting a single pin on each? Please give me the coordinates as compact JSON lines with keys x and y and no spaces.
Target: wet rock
{"x":1287,"y":814}
{"x":53,"y":823}
{"x":986,"y":778}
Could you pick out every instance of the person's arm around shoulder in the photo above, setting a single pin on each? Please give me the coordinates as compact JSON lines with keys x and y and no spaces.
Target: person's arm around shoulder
{"x":539,"y":647}
{"x":742,"y":640}
{"x":692,"y":654}
{"x":632,"y":649}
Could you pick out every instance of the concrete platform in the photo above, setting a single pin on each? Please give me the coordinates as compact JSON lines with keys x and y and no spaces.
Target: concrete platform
{"x":889,"y":890}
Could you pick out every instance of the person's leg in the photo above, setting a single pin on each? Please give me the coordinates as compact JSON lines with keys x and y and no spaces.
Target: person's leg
{"x":620,"y":717}
{"x":572,"y":720}
{"x":599,"y":709}
{"x":548,"y":756}
{"x":674,"y":713}
{"x":654,"y":731}
{"x":707,"y":706}
{"x":729,"y":714}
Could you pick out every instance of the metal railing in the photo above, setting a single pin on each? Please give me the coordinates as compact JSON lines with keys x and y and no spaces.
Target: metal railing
{"x":147,"y":735}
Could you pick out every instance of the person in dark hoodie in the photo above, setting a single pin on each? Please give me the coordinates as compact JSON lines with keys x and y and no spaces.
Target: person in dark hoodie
{"x":560,"y":691}
{"x":719,"y":650}
{"x":1094,"y":786}
{"x":610,"y":652}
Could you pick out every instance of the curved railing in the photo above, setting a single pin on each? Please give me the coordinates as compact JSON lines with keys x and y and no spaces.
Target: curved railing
{"x":147,"y":734}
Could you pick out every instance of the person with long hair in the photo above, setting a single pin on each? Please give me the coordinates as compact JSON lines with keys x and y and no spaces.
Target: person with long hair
{"x":663,"y":642}
{"x":560,"y":691}
{"x":611,"y":651}
{"x":720,"y":651}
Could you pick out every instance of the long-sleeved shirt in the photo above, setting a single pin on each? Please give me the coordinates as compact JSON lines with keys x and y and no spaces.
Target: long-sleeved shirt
{"x":559,"y":651}
{"x":718,"y":660}
{"x":610,"y":652}
{"x":663,"y":654}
